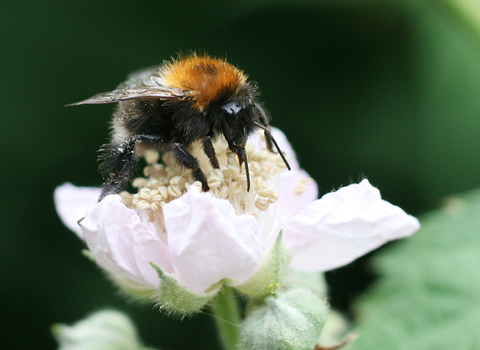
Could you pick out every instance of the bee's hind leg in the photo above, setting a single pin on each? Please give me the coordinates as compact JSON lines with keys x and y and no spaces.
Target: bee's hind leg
{"x":118,"y":164}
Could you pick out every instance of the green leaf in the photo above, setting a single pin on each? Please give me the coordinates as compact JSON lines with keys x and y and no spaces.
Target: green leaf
{"x":428,"y":295}
{"x":468,"y":10}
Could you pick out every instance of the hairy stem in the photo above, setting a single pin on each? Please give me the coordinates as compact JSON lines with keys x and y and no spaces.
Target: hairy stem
{"x":227,"y":318}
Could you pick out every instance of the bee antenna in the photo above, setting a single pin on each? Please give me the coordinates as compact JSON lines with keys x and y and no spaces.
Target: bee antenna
{"x":267,"y":131}
{"x":245,"y":160}
{"x":246,"y":168}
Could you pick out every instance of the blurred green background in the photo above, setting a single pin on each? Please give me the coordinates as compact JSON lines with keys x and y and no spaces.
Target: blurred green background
{"x":386,"y":90}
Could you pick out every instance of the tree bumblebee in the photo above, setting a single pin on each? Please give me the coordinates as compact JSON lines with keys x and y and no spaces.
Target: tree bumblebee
{"x":168,"y":107}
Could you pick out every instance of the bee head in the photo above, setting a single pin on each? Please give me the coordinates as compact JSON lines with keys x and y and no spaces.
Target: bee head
{"x":237,"y":124}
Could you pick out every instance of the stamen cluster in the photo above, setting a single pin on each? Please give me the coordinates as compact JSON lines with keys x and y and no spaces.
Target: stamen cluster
{"x":163,"y":183}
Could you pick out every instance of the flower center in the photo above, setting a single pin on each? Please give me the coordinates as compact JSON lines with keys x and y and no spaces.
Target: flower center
{"x":164,"y":183}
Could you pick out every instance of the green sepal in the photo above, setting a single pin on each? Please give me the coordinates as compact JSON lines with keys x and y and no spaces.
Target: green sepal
{"x":175,"y":298}
{"x":88,"y":254}
{"x":291,"y":319}
{"x":270,"y":273}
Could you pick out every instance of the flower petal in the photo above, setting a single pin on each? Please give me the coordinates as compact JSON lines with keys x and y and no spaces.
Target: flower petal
{"x":122,"y":244}
{"x":296,"y":191}
{"x":343,"y":226}
{"x":208,"y":242}
{"x":73,"y":203}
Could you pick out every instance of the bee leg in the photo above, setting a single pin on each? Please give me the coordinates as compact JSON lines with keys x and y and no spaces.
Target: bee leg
{"x":151,"y":138}
{"x":210,"y":152}
{"x":263,"y":119}
{"x":121,"y":160}
{"x":190,"y":162}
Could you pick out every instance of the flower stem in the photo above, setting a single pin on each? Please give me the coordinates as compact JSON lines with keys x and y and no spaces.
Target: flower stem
{"x":227,"y":317}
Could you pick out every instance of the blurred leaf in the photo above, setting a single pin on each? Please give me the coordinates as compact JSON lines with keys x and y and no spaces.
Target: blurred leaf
{"x":469,"y":10}
{"x":448,"y":83}
{"x":429,"y":294}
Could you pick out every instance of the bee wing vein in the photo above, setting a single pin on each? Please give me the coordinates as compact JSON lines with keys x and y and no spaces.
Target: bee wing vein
{"x":148,"y":93}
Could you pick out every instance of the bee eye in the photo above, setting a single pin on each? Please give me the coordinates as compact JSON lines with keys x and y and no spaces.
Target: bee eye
{"x":227,"y":127}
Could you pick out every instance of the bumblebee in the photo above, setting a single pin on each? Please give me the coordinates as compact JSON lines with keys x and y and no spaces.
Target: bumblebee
{"x":167,"y":108}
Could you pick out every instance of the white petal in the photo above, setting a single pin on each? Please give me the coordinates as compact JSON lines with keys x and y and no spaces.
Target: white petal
{"x":73,"y":203}
{"x":208,"y":242}
{"x":297,"y":190}
{"x":122,"y":244}
{"x":343,"y":226}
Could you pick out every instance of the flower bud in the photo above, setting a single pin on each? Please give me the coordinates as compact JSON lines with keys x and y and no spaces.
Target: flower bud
{"x":104,"y":330}
{"x":291,"y":319}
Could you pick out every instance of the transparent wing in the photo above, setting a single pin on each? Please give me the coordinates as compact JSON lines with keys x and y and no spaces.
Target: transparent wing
{"x":144,"y":93}
{"x":142,"y":84}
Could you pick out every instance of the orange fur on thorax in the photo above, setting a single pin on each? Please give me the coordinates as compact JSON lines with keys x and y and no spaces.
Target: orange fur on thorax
{"x":204,"y":77}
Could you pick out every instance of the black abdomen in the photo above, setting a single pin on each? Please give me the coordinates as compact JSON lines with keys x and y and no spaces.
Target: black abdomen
{"x":146,"y":117}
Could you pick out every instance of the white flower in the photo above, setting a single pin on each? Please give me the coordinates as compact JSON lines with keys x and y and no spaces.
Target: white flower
{"x":104,"y":330}
{"x":203,"y":239}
